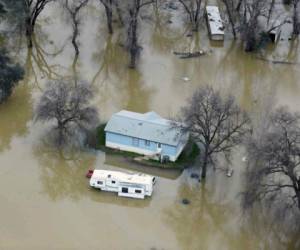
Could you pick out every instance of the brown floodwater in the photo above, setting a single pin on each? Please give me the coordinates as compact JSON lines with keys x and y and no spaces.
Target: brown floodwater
{"x":46,"y":202}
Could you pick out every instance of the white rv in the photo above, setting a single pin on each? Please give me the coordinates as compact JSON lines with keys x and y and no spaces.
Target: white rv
{"x":134,"y":185}
{"x":214,"y":23}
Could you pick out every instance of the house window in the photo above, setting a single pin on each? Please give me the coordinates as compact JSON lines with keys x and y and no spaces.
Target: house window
{"x":159,"y":145}
{"x":124,"y":190}
{"x":147,"y":143}
{"x":100,"y":182}
{"x":138,"y":191}
{"x":135,"y":142}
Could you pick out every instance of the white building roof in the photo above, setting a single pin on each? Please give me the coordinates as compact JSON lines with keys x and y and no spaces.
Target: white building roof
{"x":149,"y":126}
{"x":134,"y":178}
{"x":214,"y":20}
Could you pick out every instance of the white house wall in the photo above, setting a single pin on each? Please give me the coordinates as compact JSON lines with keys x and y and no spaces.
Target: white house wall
{"x":125,"y":143}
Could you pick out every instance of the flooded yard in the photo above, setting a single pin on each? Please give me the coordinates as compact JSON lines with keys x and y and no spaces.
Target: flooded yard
{"x":46,"y":201}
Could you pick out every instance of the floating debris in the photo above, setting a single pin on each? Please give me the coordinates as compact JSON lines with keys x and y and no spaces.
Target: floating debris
{"x":186,"y":55}
{"x":185,"y":201}
{"x":229,"y":172}
{"x":244,"y":159}
{"x":185,"y":78}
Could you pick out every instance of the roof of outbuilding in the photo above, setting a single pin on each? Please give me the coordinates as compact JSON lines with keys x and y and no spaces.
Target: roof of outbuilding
{"x":215,"y":20}
{"x":149,"y":126}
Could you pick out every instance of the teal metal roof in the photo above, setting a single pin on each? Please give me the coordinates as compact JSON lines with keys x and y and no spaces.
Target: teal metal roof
{"x":148,"y":126}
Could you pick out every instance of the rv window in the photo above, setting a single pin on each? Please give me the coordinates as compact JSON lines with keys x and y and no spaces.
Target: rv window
{"x":113,"y":182}
{"x":99,"y":182}
{"x":124,"y":190}
{"x":138,"y":191}
{"x":153,"y":179}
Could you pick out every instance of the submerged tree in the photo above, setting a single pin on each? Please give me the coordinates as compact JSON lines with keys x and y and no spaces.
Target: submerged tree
{"x":33,"y":10}
{"x":296,"y":23}
{"x":10,"y":75}
{"x":69,"y":106}
{"x":192,"y":8}
{"x":232,"y":13}
{"x":273,"y":173}
{"x":251,"y":11}
{"x":133,"y":8}
{"x":108,"y":6}
{"x":216,"y":123}
{"x":74,"y":12}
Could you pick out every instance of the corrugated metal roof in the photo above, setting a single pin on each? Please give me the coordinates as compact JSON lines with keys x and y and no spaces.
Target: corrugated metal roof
{"x":149,"y":126}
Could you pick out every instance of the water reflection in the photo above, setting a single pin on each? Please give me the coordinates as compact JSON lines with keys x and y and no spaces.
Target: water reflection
{"x":208,"y":222}
{"x":63,"y":173}
{"x":15,"y":113}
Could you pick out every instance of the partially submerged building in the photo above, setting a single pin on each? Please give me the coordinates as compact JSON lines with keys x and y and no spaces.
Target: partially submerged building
{"x":214,"y":23}
{"x":146,"y":134}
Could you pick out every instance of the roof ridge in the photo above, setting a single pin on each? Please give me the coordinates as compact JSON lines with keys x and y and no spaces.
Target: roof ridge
{"x":149,"y":121}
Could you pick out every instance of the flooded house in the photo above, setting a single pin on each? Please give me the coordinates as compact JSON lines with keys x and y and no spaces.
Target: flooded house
{"x":214,"y":23}
{"x":147,"y":134}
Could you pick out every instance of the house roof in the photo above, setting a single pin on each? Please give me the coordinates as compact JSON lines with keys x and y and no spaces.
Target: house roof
{"x":148,"y":126}
{"x":215,"y":21}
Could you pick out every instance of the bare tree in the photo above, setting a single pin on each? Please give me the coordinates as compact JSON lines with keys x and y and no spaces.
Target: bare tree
{"x":273,"y":172}
{"x":133,"y":8}
{"x":250,"y":28}
{"x":69,"y":106}
{"x":216,"y":123}
{"x":33,"y":10}
{"x":74,"y":12}
{"x":192,"y":8}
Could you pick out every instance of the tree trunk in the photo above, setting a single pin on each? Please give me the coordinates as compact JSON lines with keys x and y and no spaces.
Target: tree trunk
{"x":74,"y":37}
{"x":108,"y":11}
{"x":295,"y":19}
{"x":29,"y":32}
{"x":230,"y":18}
{"x":238,"y":7}
{"x":119,"y":12}
{"x":204,"y":166}
{"x":133,"y":40}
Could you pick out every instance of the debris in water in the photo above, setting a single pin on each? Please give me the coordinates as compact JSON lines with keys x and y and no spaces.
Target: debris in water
{"x":186,"y":55}
{"x":244,"y":159}
{"x":185,"y":201}
{"x":229,"y":172}
{"x":185,"y":78}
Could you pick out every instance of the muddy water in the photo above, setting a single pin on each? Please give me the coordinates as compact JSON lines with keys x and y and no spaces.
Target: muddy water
{"x":46,"y":202}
